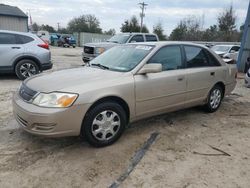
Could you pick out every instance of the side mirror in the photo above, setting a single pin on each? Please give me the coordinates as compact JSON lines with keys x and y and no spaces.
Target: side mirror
{"x":232,"y":51}
{"x":132,"y":41}
{"x":150,"y":68}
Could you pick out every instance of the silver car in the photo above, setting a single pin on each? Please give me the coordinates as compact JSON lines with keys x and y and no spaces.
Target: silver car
{"x":92,"y":50}
{"x":125,"y":84}
{"x":247,"y":79}
{"x":24,"y":54}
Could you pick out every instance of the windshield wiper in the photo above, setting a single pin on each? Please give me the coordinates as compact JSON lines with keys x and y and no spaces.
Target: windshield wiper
{"x":99,"y":65}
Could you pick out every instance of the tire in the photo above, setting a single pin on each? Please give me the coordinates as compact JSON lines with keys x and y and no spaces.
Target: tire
{"x":26,"y":68}
{"x":97,"y":129}
{"x":214,"y":99}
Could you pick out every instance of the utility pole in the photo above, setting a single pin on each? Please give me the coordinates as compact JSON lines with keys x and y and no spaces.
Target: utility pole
{"x":142,"y":14}
{"x":58,"y":26}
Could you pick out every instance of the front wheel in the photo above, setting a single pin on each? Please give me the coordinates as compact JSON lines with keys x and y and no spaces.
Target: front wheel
{"x":214,"y":99}
{"x":26,"y":68}
{"x":104,"y":124}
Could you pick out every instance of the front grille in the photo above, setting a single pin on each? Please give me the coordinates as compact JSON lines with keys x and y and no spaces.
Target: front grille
{"x":26,"y":93}
{"x":88,"y":50}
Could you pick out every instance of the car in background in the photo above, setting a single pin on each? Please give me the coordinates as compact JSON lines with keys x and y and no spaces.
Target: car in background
{"x":53,"y":39}
{"x":247,"y":79}
{"x":44,"y":35}
{"x":24,"y":54}
{"x":227,"y":51}
{"x":124,"y":84}
{"x":66,"y":41}
{"x":92,"y":50}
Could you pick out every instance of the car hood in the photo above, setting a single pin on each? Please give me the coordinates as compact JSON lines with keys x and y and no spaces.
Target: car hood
{"x":102,"y":44}
{"x":71,"y":80}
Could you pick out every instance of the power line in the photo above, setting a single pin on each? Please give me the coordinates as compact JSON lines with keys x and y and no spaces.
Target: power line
{"x":142,"y":14}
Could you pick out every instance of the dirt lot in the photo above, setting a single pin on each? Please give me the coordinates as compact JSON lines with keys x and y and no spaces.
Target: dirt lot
{"x":175,"y":159}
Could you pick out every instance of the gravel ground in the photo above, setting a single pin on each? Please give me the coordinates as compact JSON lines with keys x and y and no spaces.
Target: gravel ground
{"x":184,"y":154}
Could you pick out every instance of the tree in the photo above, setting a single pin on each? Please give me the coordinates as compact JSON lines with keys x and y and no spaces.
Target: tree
{"x":110,"y":32}
{"x":84,"y":23}
{"x":35,"y":26}
{"x":63,"y":30}
{"x":132,"y":25}
{"x":226,"y":23}
{"x":48,"y":28}
{"x":158,"y":30}
{"x":188,"y":29}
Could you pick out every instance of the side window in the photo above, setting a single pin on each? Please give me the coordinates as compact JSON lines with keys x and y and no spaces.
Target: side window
{"x":137,"y":38}
{"x":235,"y":48}
{"x":151,"y":38}
{"x":21,"y":39}
{"x":169,"y":56}
{"x":196,"y":57}
{"x":7,"y":38}
{"x":212,"y":60}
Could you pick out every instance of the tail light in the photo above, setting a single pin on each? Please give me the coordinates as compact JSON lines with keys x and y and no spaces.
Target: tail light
{"x":45,"y":45}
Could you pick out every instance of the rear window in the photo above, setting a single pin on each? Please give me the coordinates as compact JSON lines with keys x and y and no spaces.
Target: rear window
{"x":21,"y":39}
{"x":7,"y":38}
{"x":150,"y":38}
{"x":137,"y":38}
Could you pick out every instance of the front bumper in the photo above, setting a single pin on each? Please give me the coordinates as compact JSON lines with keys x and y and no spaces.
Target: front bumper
{"x":88,"y":57}
{"x":52,"y":122}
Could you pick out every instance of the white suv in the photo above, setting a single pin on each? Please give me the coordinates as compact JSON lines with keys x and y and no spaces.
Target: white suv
{"x":24,"y":54}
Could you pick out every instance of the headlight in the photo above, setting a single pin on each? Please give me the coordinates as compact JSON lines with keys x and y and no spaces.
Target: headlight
{"x":99,"y":50}
{"x":56,"y":99}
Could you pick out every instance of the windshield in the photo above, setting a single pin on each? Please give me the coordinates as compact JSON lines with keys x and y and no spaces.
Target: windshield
{"x":221,"y":48}
{"x":122,"y":58}
{"x":120,"y":38}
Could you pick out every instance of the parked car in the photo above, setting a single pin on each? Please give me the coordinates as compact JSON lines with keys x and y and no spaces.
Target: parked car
{"x":247,"y":79}
{"x":124,"y":84}
{"x":24,"y":54}
{"x":53,"y":39}
{"x":227,"y":51}
{"x":92,"y":50}
{"x":44,"y":35}
{"x":66,"y":41}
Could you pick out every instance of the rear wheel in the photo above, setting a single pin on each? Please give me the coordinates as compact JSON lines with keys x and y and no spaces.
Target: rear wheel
{"x":26,"y":68}
{"x":104,"y":124}
{"x":214,"y":99}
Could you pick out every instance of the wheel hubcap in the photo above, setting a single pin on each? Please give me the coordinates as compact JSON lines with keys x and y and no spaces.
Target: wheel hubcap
{"x":215,"y":98}
{"x":27,"y":70}
{"x":105,"y":125}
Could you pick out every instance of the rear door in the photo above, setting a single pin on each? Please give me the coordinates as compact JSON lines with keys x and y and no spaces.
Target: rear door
{"x":203,"y":72}
{"x":157,"y":92}
{"x":10,"y":49}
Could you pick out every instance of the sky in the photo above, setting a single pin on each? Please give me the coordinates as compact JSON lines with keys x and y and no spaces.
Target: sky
{"x":112,"y":13}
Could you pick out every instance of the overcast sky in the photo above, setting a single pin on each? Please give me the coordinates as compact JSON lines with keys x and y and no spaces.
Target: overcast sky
{"x":112,"y":13}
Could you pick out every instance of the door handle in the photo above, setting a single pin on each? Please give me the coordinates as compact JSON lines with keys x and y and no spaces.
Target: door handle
{"x":180,"y":78}
{"x":212,"y":73}
{"x":15,"y":47}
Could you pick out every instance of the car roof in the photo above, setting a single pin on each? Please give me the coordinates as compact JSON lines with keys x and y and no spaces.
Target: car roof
{"x":16,"y":32}
{"x":132,"y":33}
{"x":229,"y":45}
{"x":164,"y":43}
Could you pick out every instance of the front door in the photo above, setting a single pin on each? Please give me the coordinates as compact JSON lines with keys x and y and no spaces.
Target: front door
{"x":157,"y":92}
{"x":9,"y":49}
